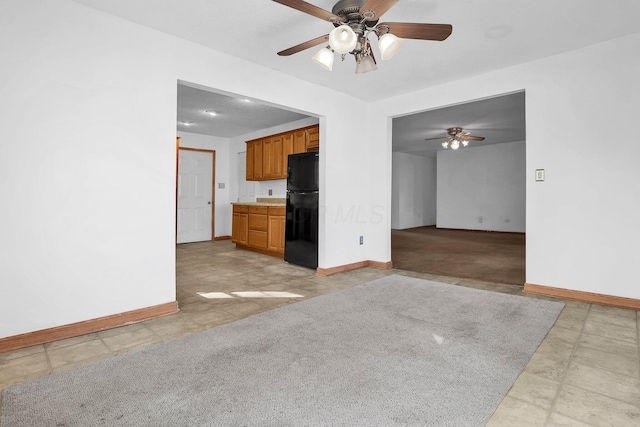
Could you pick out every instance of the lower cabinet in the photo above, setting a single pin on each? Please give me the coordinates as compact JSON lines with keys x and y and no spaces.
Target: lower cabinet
{"x":240,"y":225}
{"x":259,"y":228}
{"x":276,"y":229}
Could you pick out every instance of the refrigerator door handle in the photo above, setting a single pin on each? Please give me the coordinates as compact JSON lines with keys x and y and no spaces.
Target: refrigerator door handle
{"x":302,"y":192}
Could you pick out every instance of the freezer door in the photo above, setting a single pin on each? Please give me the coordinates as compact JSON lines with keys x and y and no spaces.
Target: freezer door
{"x":301,"y":231}
{"x":302,"y":172}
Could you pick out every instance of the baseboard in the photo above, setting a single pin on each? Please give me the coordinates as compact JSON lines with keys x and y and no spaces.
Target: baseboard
{"x":324,"y":272}
{"x":88,"y":326}
{"x":381,"y":265}
{"x":588,"y":297}
{"x":478,"y":231}
{"x":222,"y":238}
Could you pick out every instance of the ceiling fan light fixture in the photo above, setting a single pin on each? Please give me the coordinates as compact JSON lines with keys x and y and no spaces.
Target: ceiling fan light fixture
{"x":455,"y":144}
{"x":389,"y":45}
{"x":343,"y":39}
{"x":445,"y":144}
{"x":365,"y":64}
{"x":465,"y":142}
{"x":324,"y":58}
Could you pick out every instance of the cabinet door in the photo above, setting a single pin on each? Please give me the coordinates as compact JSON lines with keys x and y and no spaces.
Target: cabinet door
{"x":287,"y":148}
{"x":240,"y":228}
{"x":272,"y":157}
{"x":299,"y":141}
{"x":267,"y":158}
{"x":276,"y":234}
{"x":313,"y":141}
{"x":257,"y":161}
{"x":276,"y":160}
{"x":250,"y":159}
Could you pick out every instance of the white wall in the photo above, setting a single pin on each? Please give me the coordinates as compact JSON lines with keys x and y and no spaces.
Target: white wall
{"x":222,"y":201}
{"x":414,"y":191}
{"x":88,"y":162}
{"x":482,"y":188}
{"x":582,"y":230}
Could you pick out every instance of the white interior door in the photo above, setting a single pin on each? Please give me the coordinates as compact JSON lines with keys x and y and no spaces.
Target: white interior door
{"x":195,"y":197}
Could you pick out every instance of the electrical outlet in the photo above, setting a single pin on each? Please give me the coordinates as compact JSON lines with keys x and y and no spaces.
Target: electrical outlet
{"x":221,"y":185}
{"x":479,"y":219}
{"x":270,"y":192}
{"x":361,"y":240}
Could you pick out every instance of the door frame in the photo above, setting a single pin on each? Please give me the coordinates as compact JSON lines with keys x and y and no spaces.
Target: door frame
{"x":213,"y":185}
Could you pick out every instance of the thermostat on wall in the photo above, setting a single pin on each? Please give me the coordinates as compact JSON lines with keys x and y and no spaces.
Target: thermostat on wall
{"x":539,"y":174}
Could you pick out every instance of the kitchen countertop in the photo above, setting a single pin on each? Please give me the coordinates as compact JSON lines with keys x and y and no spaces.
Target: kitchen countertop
{"x":264,"y":201}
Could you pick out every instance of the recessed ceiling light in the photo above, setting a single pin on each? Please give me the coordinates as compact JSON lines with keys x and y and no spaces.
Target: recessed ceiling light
{"x":246,"y":100}
{"x":187,"y":123}
{"x":211,"y":112}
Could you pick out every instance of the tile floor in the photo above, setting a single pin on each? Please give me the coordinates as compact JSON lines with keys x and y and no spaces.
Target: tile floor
{"x":585,"y":373}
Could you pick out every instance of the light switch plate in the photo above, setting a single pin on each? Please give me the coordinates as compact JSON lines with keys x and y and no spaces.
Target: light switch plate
{"x":539,"y":174}
{"x":221,"y":185}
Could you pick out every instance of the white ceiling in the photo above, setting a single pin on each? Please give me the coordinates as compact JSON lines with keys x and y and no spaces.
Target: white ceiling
{"x":487,"y":35}
{"x":235,"y":116}
{"x":498,"y":120}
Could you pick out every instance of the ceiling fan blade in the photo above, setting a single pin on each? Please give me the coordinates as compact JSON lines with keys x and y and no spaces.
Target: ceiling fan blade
{"x":473,"y":138}
{"x":312,"y":10}
{"x":406,"y":30}
{"x":305,"y":45}
{"x":378,"y":7}
{"x":433,"y":139}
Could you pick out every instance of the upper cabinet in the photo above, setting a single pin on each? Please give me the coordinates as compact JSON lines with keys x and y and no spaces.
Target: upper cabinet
{"x":254,"y":160}
{"x":267,"y":157}
{"x":313,"y":139}
{"x":272,"y":157}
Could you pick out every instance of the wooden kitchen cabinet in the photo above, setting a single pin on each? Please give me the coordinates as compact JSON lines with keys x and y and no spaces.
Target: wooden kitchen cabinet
{"x":267,"y":157}
{"x":259,"y":228}
{"x":272,"y":158}
{"x":313,"y":138}
{"x":276,"y":229}
{"x":254,"y":160}
{"x":240,"y":225}
{"x":300,"y":141}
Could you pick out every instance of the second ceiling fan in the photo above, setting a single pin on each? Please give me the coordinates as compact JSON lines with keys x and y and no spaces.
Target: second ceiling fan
{"x":354,"y":21}
{"x":457,"y":136}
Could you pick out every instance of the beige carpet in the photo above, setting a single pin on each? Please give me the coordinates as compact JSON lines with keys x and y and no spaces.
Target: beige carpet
{"x":481,"y":255}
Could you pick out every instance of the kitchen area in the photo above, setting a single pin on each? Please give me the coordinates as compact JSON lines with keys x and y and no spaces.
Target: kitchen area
{"x":245,"y":199}
{"x":282,"y":227}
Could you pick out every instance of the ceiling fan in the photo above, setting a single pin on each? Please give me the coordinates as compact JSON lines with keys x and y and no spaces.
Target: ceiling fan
{"x":457,"y":136}
{"x":354,"y":21}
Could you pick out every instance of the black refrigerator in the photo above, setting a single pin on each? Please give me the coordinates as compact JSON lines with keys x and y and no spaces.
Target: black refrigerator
{"x":301,"y":231}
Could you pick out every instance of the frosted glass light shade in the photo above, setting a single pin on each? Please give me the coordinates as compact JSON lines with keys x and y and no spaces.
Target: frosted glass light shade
{"x":455,"y":145}
{"x":389,"y":45}
{"x":365,"y":64}
{"x":343,"y":39}
{"x":324,"y":58}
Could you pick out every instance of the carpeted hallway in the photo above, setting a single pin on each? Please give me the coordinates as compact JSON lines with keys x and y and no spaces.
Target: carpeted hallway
{"x":481,"y":255}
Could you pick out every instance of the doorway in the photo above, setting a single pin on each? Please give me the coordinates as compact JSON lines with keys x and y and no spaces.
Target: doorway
{"x":460,"y":210}
{"x":195,"y":195}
